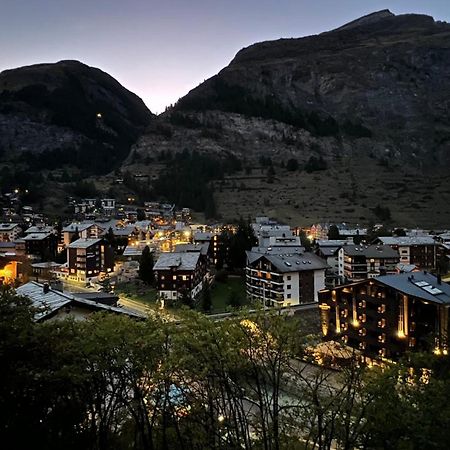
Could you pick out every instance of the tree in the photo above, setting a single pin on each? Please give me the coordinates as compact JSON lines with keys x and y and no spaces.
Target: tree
{"x":140,"y":214}
{"x":234,"y":299}
{"x":146,"y":264}
{"x":292,"y":165}
{"x":333,"y":233}
{"x":206,"y":302}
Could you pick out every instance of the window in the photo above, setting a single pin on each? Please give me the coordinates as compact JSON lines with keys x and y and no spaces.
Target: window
{"x":174,"y":277}
{"x":382,"y":308}
{"x":184,"y":277}
{"x":162,"y":277}
{"x":288,"y":277}
{"x":288,"y":286}
{"x":382,"y":323}
{"x":288,"y":296}
{"x":162,"y":286}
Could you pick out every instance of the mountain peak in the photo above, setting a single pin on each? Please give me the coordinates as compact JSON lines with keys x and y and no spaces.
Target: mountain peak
{"x":367,"y":19}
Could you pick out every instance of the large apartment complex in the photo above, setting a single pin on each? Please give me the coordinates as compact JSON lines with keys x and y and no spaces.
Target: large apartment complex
{"x":388,"y":315}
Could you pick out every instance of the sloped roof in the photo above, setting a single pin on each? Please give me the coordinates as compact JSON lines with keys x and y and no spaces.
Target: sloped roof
{"x":284,"y":263}
{"x":178,"y":261}
{"x":84,"y":243}
{"x":48,"y":303}
{"x":371,"y":251}
{"x":407,"y":240}
{"x":419,"y":284}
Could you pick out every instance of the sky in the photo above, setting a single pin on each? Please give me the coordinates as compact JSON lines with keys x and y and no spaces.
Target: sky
{"x":162,"y":49}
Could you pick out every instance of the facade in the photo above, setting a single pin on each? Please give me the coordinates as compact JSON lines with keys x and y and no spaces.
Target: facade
{"x":329,"y":251}
{"x":205,"y":237}
{"x":386,"y":316}
{"x":180,"y":272}
{"x":9,"y":232}
{"x":419,"y":250}
{"x":84,"y":230}
{"x":41,"y":245}
{"x":88,"y":258}
{"x":284,"y":278}
{"x":358,"y":262}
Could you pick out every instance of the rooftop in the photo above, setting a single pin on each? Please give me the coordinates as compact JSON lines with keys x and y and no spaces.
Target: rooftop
{"x":8,"y":226}
{"x":407,"y":240}
{"x":36,"y":236}
{"x":53,"y":300}
{"x":371,"y":251}
{"x":178,"y":261}
{"x":422,"y":285}
{"x":297,"y":262}
{"x":84,"y":243}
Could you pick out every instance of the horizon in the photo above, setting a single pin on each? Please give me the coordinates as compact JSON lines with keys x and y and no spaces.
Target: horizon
{"x":212,"y":36}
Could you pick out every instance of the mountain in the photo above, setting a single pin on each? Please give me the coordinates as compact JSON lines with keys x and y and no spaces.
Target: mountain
{"x":363,"y":109}
{"x":67,"y":113}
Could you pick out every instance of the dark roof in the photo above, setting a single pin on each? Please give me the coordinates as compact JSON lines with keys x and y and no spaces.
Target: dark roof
{"x":299,"y":262}
{"x":422,"y":285}
{"x":370,"y":251}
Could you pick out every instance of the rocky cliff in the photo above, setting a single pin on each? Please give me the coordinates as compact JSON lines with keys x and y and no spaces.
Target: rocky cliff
{"x":371,"y":99}
{"x":68,"y":108}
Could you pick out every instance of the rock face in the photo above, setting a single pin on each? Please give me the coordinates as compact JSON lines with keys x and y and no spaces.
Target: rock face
{"x":382,"y":77}
{"x":62,"y":106}
{"x":372,"y":98}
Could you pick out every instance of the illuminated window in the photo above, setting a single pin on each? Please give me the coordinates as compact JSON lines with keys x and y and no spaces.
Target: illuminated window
{"x":362,"y":346}
{"x":174,"y":277}
{"x":162,"y":277}
{"x":362,"y":332}
{"x":362,"y":318}
{"x":382,"y":309}
{"x":344,"y":313}
{"x":362,"y":304}
{"x":382,"y":323}
{"x":382,"y":338}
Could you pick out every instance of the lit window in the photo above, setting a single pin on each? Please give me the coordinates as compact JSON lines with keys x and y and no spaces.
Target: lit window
{"x":382,"y":323}
{"x":174,"y":277}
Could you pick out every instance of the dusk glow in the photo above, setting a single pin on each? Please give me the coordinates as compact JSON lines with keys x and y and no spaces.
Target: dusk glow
{"x":161,"y":50}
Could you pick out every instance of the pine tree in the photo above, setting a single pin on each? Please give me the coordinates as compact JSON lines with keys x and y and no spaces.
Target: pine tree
{"x":146,"y":266}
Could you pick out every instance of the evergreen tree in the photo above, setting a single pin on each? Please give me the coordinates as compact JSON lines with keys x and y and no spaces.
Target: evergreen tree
{"x":146,"y":264}
{"x":333,"y":233}
{"x":206,"y":302}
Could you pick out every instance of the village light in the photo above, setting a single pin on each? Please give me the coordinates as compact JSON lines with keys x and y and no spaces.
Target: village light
{"x":221,"y":418}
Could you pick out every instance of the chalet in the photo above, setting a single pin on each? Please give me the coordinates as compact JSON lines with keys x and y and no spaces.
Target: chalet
{"x":88,"y":258}
{"x":422,"y":251}
{"x":358,"y":262}
{"x":283,"y":278}
{"x":51,"y":304}
{"x":9,"y":232}
{"x":212,"y":240}
{"x":41,"y":245}
{"x":87,"y":230}
{"x":180,"y":272}
{"x":385,"y":317}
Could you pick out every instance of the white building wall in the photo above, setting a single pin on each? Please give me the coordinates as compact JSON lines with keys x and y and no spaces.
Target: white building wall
{"x":291,"y":294}
{"x":341,"y":262}
{"x":405,"y":256}
{"x":319,"y":283}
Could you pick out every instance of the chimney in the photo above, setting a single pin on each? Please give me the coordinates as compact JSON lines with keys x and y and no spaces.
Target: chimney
{"x":46,"y":288}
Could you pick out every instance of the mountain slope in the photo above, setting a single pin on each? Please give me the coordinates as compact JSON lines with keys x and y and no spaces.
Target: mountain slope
{"x":68,"y":112}
{"x":371,"y":99}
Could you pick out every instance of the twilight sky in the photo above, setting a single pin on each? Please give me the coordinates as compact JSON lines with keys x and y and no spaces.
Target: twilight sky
{"x":162,"y":49}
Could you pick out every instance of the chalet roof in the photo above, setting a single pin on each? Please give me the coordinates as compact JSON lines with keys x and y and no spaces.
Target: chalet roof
{"x":84,"y":243}
{"x":8,"y":226}
{"x":183,"y":248}
{"x":407,"y":240}
{"x":422,"y":285}
{"x":178,"y":261}
{"x":203,"y":236}
{"x":73,"y":227}
{"x":50,"y":302}
{"x":284,"y":263}
{"x":36,"y":236}
{"x":43,"y":229}
{"x":370,"y":251}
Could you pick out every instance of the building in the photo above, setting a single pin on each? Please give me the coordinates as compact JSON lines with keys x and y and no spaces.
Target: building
{"x":88,"y":258}
{"x":283,"y":277}
{"x":41,"y":245}
{"x":51,"y":304}
{"x":87,"y":230}
{"x":210,"y":238}
{"x":358,"y":262}
{"x":329,"y":251}
{"x":179,"y":273}
{"x":386,"y":316}
{"x":422,"y":251}
{"x":9,"y":232}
